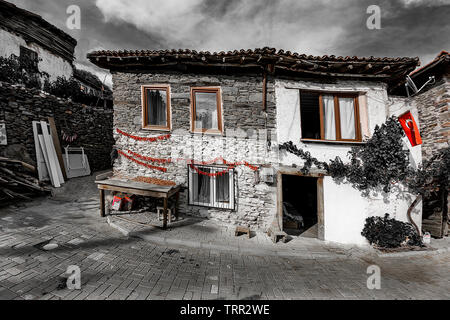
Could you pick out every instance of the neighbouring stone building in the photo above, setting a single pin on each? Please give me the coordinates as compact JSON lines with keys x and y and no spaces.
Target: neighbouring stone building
{"x":49,"y":55}
{"x":433,"y":105}
{"x":27,"y":35}
{"x":184,"y":116}
{"x":19,"y":106}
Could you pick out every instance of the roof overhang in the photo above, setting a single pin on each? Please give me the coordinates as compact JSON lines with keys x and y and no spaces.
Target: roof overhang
{"x":268,"y":60}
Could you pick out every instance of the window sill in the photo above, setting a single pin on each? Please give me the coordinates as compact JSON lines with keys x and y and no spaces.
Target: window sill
{"x":218,"y":133}
{"x":156,"y":129}
{"x":333,"y":142}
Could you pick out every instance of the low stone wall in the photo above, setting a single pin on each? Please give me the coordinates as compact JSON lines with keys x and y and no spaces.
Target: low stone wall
{"x":20,"y":106}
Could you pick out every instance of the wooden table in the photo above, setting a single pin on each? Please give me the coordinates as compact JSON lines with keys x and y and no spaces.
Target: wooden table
{"x":139,"y":188}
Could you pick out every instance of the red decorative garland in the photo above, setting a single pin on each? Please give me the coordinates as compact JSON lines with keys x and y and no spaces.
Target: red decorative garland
{"x":158,"y":160}
{"x":142,"y":163}
{"x":152,"y":139}
{"x":254,"y":168}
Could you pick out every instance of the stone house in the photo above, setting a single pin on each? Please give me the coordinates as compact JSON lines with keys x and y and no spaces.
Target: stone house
{"x":49,"y":53}
{"x":28,"y":35}
{"x":213,"y":122}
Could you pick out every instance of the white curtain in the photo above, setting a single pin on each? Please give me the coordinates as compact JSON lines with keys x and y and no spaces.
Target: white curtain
{"x":202,"y":185}
{"x":206,"y":110}
{"x":223,"y":188}
{"x":347,"y":115}
{"x":329,"y":121}
{"x":157,"y":113}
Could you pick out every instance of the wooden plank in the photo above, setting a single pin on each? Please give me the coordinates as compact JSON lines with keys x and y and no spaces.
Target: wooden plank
{"x":51,"y":171}
{"x":51,"y":153}
{"x":133,"y":191}
{"x":135,"y":185}
{"x":54,"y":134}
{"x":280,"y":200}
{"x":320,"y":210}
{"x":40,"y":161}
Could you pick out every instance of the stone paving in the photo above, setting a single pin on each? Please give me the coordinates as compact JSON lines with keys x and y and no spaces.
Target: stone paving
{"x":117,"y":267}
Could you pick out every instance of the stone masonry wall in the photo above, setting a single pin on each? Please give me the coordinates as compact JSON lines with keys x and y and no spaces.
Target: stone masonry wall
{"x":434,"y":116}
{"x":20,"y":106}
{"x":242,"y":109}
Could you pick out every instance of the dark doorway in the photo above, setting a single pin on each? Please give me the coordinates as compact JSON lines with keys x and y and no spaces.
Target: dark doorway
{"x":299,"y":205}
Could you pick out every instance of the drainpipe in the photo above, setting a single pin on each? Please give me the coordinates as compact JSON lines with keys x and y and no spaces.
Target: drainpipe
{"x":264,"y":91}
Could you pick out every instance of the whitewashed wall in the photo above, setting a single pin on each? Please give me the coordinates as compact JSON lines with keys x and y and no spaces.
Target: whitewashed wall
{"x":54,"y":65}
{"x":345,"y":208}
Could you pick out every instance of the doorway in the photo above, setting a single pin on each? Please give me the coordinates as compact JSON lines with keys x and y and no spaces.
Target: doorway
{"x":301,"y":204}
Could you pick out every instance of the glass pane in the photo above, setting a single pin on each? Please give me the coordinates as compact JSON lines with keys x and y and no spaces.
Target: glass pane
{"x":202,"y":187}
{"x":347,"y":115}
{"x":310,"y":115}
{"x":223,"y":188}
{"x":328,"y":117}
{"x":206,"y":110}
{"x":157,"y":107}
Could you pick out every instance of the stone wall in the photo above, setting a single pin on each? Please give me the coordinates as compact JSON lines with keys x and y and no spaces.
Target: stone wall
{"x":20,"y":106}
{"x":434,"y":116}
{"x":242,"y":109}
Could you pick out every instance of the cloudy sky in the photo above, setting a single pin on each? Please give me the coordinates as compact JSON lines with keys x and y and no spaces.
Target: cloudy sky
{"x":408,"y":27}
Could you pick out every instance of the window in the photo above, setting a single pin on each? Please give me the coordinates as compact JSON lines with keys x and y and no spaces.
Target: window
{"x":206,"y":114}
{"x":156,"y":107}
{"x":29,"y":59}
{"x":210,"y":190}
{"x":329,"y":116}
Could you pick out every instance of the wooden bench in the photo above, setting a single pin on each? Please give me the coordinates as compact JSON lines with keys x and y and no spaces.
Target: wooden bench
{"x":139,"y":188}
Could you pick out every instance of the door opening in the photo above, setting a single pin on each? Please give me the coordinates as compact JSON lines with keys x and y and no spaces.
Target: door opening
{"x":299,"y":205}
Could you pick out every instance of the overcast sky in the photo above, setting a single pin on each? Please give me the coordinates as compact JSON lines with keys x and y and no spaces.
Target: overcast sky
{"x":408,"y":27}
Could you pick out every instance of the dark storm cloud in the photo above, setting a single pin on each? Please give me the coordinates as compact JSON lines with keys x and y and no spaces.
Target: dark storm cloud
{"x":409,"y":27}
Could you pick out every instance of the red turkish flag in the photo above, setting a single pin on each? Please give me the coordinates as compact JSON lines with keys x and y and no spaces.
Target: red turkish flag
{"x":410,"y":127}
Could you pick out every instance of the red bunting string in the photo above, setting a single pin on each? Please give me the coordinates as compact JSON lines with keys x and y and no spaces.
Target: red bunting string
{"x":152,"y":139}
{"x":142,"y":163}
{"x":158,"y":160}
{"x":191,"y":162}
{"x":209,"y":174}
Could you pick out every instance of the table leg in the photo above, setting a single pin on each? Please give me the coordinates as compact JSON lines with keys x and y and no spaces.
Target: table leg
{"x":102,"y":202}
{"x":177,"y":198}
{"x":165,"y":214}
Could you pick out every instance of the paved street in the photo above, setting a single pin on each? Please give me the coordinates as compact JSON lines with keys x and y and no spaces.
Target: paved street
{"x":114,"y":266}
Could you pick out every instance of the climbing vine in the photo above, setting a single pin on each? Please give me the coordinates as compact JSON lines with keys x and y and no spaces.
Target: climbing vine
{"x":382,"y":162}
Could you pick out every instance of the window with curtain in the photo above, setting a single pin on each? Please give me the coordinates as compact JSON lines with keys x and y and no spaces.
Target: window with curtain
{"x":206,"y":110}
{"x":211,"y":191}
{"x":329,"y":116}
{"x":156,"y":107}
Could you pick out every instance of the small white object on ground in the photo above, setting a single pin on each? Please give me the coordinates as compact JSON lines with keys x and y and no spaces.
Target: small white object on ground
{"x":50,"y":246}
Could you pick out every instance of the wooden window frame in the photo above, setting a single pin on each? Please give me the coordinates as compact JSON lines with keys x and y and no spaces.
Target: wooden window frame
{"x":337,"y":115}
{"x":147,"y":126}
{"x":218,"y":93}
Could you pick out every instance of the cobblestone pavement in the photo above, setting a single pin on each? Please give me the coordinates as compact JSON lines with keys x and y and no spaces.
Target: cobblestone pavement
{"x":114,"y":266}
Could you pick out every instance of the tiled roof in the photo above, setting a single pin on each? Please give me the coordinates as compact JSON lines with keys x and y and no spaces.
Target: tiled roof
{"x":269,"y":59}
